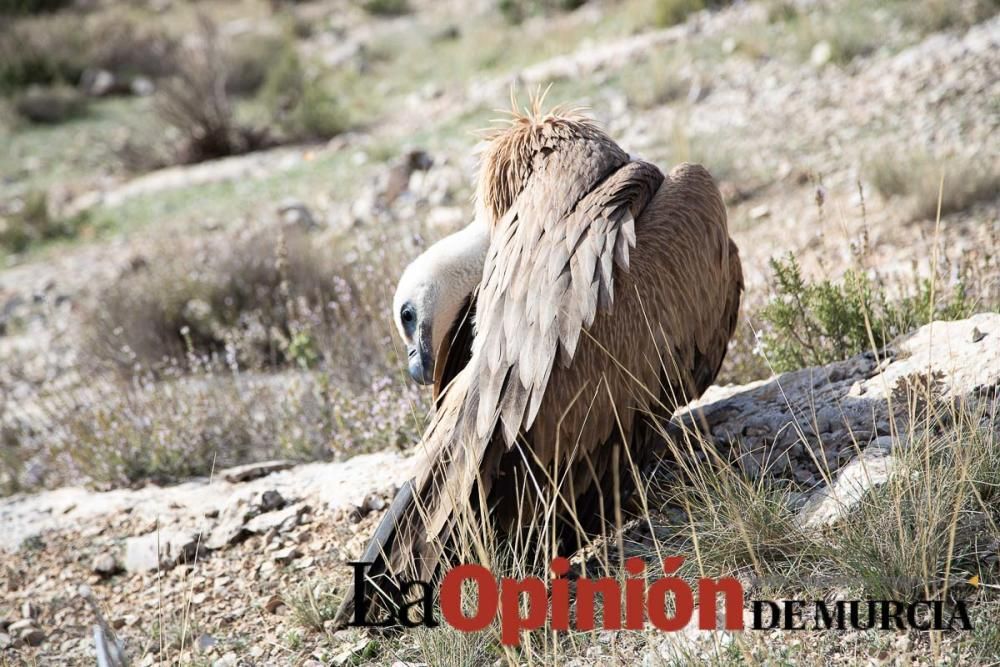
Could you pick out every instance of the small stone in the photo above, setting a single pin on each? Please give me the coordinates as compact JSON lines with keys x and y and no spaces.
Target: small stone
{"x":286,"y":556}
{"x":29,"y":610}
{"x":296,"y":214}
{"x":230,"y":659}
{"x":271,"y":500}
{"x":758,"y":212}
{"x":105,"y":565}
{"x":282,"y":520}
{"x":205,"y":643}
{"x":977,"y":335}
{"x":250,"y":471}
{"x":375,"y":503}
{"x":142,"y":86}
{"x":17,"y":627}
{"x":5,"y":641}
{"x":32,"y":637}
{"x":155,"y":550}
{"x":821,"y":54}
{"x":273,"y":604}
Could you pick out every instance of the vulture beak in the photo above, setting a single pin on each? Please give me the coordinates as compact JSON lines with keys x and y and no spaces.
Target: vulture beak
{"x":421,"y":357}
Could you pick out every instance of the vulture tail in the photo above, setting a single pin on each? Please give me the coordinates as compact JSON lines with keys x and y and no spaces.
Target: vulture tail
{"x":382,"y":544}
{"x":412,"y":540}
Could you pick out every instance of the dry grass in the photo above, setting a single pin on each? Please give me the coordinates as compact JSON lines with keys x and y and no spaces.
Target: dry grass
{"x":915,"y":178}
{"x":58,"y":48}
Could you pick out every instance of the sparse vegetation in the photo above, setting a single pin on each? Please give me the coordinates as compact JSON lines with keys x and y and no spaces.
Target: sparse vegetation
{"x":29,"y":220}
{"x":916,"y":177}
{"x":269,"y":298}
{"x":195,"y":103}
{"x":58,"y":49}
{"x":50,"y":105}
{"x":814,"y":323}
{"x":931,"y":16}
{"x":671,"y":12}
{"x":300,"y":102}
{"x":387,"y":7}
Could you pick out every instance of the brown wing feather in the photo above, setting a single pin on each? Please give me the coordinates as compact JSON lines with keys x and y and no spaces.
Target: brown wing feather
{"x":543,"y":288}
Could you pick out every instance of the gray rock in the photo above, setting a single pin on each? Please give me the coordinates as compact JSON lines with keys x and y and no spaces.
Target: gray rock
{"x":18,"y":627}
{"x":271,"y":500}
{"x":5,"y":641}
{"x":230,"y":659}
{"x":97,"y":82}
{"x":142,"y":86}
{"x":33,"y":637}
{"x":226,"y":533}
{"x":286,"y":556}
{"x":296,"y":214}
{"x":281,"y":520}
{"x":865,"y":472}
{"x":159,"y":550}
{"x":205,"y":643}
{"x":250,"y":471}
{"x":105,"y":565}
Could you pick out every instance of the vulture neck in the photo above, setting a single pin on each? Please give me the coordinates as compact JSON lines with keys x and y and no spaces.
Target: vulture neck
{"x":458,"y":271}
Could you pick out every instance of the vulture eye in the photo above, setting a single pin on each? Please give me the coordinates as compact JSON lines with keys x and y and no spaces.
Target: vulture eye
{"x":408,"y":315}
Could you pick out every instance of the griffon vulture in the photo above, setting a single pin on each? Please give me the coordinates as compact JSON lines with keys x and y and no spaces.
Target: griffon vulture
{"x":607,"y":297}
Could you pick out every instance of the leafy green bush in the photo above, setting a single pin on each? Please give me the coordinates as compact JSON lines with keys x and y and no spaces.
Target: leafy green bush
{"x":815,"y":323}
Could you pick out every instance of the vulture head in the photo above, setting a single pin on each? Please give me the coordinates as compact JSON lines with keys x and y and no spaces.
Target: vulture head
{"x":432,"y":292}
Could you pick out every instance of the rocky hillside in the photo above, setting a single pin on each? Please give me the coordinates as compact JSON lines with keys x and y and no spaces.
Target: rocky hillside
{"x":204,"y":208}
{"x":244,"y":567}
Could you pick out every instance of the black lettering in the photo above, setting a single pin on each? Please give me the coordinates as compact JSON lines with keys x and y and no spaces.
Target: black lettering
{"x":758,"y":610}
{"x":793,"y":612}
{"x":405,"y":602}
{"x":362,"y":602}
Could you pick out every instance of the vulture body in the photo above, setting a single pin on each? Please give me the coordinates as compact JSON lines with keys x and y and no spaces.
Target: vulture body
{"x":607,"y":299}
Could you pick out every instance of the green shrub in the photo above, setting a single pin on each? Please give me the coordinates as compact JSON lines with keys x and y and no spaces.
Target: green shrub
{"x":300,"y":103}
{"x":250,"y":59}
{"x":50,"y":106}
{"x":41,"y":53}
{"x":32,"y":6}
{"x":671,"y":12}
{"x":59,"y":48}
{"x":387,"y":7}
{"x":515,"y":11}
{"x":195,"y":103}
{"x":929,"y":16}
{"x":815,"y":323}
{"x":29,"y":220}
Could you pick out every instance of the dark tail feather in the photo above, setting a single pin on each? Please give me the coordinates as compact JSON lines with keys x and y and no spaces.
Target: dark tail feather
{"x":381,"y":546}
